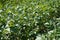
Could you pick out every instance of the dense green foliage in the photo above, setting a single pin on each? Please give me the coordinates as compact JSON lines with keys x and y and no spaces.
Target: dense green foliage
{"x":25,"y":19}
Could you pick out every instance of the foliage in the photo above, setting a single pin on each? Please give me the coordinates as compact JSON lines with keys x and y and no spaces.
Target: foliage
{"x":25,"y":19}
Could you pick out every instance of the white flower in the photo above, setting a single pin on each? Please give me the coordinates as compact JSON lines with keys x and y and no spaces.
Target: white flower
{"x":0,"y":11}
{"x":8,"y":29}
{"x":0,"y":30}
{"x":17,"y":24}
{"x":46,"y":23}
{"x":25,"y":17}
{"x":50,"y":32}
{"x":38,"y":37}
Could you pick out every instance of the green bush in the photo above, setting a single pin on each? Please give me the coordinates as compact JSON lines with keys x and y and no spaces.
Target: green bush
{"x":25,"y":19}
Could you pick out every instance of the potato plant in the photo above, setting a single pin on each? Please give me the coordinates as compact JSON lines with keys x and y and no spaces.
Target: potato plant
{"x":26,"y":19}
